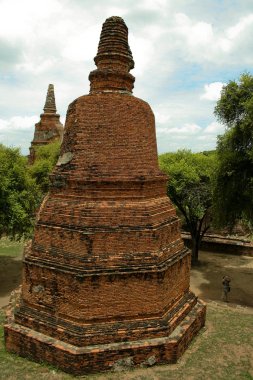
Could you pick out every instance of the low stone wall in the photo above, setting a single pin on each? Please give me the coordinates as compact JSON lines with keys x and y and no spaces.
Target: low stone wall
{"x":217,"y":243}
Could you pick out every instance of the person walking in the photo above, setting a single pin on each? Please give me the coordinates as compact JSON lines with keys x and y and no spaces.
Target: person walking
{"x":226,"y":288}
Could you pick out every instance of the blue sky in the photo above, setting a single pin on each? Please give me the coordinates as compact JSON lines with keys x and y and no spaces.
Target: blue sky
{"x":184,"y":51}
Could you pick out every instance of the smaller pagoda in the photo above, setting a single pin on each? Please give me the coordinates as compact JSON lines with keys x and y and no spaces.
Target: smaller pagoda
{"x":49,"y":128}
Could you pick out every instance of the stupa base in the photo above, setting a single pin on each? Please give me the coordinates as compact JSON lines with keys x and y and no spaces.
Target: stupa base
{"x":114,"y":356}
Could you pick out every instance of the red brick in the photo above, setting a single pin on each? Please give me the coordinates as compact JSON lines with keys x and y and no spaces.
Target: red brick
{"x":106,"y":277}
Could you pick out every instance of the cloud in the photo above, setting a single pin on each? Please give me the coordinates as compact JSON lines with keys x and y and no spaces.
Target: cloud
{"x":27,"y":18}
{"x":204,"y":43}
{"x":10,"y":52}
{"x":18,"y":123}
{"x":18,"y":131}
{"x":212,"y":91}
{"x":189,"y":135}
{"x":196,"y":34}
{"x":186,"y":129}
{"x":178,"y":47}
{"x":214,"y":128}
{"x":235,"y":31}
{"x":89,"y":38}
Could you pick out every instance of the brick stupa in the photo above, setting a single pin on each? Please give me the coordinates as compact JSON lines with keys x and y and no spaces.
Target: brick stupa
{"x":106,"y":277}
{"x":49,"y":128}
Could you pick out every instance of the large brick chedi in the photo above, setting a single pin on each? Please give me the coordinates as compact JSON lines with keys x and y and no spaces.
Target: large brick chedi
{"x":49,"y":128}
{"x":106,"y":276}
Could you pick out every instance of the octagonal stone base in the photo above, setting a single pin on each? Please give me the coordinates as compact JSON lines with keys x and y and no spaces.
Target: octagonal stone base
{"x":103,"y":357}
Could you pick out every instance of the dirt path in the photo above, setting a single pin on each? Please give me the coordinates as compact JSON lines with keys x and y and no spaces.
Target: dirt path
{"x":10,"y":277}
{"x":205,"y":279}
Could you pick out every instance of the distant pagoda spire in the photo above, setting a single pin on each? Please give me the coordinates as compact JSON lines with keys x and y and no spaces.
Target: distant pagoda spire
{"x":114,"y":59}
{"x":50,"y":106}
{"x":49,"y":128}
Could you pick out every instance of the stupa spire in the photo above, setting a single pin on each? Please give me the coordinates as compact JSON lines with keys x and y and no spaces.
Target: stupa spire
{"x":50,"y":106}
{"x":106,"y":275}
{"x":114,"y":59}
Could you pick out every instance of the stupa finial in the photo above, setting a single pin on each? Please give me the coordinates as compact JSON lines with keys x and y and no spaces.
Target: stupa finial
{"x":50,"y":106}
{"x":113,"y":49}
{"x":114,"y":59}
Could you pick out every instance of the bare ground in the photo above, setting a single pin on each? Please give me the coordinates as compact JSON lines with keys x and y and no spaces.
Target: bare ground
{"x":206,"y":279}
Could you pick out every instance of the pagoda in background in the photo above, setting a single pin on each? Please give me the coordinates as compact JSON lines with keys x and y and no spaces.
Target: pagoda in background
{"x":49,"y":128}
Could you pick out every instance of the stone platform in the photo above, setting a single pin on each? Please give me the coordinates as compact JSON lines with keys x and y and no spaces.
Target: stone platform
{"x":179,"y":328}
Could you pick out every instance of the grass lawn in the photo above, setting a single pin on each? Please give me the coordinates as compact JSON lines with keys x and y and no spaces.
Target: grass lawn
{"x":222,"y":350}
{"x":11,"y":248}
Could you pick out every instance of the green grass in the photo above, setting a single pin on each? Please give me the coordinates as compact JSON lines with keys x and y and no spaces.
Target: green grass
{"x":222,"y":350}
{"x":11,"y":248}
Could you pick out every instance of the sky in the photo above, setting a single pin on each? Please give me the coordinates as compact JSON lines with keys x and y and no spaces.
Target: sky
{"x":184,"y":52}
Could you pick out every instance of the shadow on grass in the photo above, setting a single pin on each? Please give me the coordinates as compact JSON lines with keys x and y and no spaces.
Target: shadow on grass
{"x":10,"y":274}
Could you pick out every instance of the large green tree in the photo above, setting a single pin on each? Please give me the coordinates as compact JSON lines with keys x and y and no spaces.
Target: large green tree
{"x":190,"y":189}
{"x":19,"y":194}
{"x":46,"y":158}
{"x":234,"y":187}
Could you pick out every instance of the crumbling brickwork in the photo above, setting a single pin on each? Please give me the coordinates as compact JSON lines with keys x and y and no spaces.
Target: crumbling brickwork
{"x":106,"y":276}
{"x":49,"y":128}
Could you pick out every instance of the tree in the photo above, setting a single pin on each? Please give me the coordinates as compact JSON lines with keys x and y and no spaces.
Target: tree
{"x":234,"y":186}
{"x":19,"y":194}
{"x":46,"y":158}
{"x":190,"y":189}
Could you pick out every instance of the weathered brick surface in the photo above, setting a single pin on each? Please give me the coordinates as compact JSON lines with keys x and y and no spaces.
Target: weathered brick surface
{"x":49,"y":128}
{"x":106,"y":276}
{"x":104,"y":296}
{"x":93,"y":358}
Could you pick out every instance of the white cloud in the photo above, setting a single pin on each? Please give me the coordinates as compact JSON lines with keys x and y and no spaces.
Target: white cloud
{"x":88,"y":39}
{"x":214,"y":128}
{"x":202,"y":42}
{"x":196,"y":34}
{"x":234,"y":31}
{"x":24,"y":18}
{"x":35,"y":66}
{"x":212,"y":91}
{"x":177,"y":46}
{"x":162,"y":118}
{"x":18,"y":131}
{"x":186,"y":129}
{"x":189,"y":135}
{"x":153,"y":4}
{"x":18,"y":123}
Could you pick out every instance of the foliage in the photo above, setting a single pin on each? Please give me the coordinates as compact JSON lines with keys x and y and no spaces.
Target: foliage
{"x":190,"y":189}
{"x":234,"y":187}
{"x":46,"y":158}
{"x":19,"y":194}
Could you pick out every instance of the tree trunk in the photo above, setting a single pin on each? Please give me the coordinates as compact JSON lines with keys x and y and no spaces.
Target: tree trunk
{"x":197,"y":232}
{"x":195,"y":250}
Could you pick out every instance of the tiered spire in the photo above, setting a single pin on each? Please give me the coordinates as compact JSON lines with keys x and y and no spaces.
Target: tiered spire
{"x":49,"y":128}
{"x":114,"y":59}
{"x":106,"y":233}
{"x":50,"y":106}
